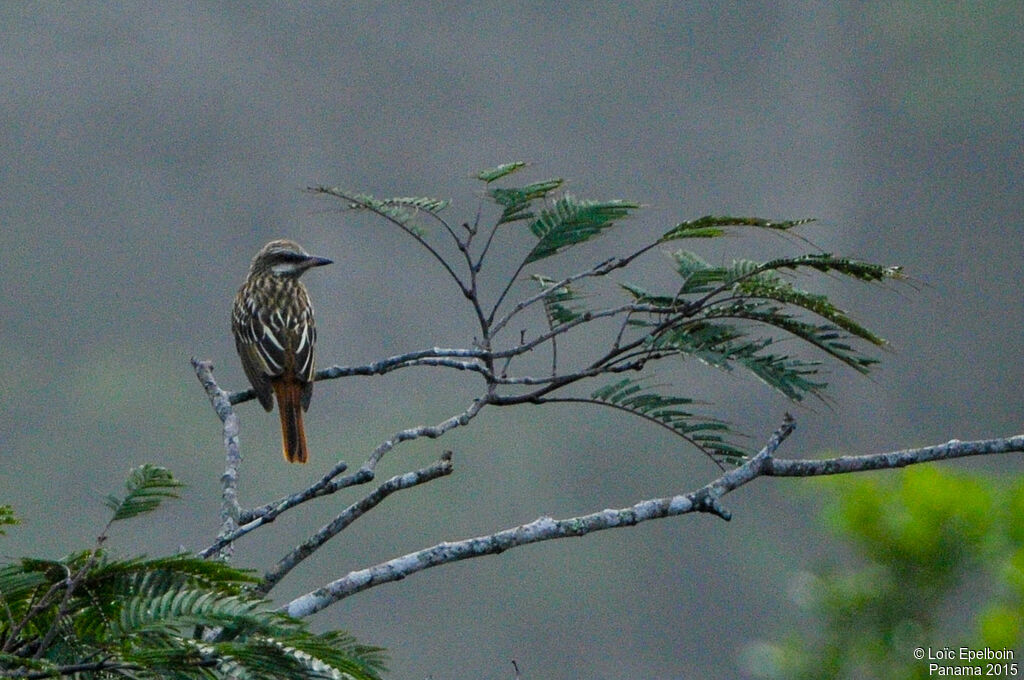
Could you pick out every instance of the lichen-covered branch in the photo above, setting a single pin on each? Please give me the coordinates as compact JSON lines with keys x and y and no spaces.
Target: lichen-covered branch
{"x":221,"y":401}
{"x":954,"y":448}
{"x":386,"y":365}
{"x":705,"y":499}
{"x":349,"y":515}
{"x":366,"y":472}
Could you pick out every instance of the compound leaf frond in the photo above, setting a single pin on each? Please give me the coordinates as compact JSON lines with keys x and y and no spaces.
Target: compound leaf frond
{"x":711,"y":226}
{"x":570,"y":222}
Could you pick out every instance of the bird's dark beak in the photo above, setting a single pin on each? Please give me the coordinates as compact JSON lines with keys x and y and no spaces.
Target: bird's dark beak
{"x":314,"y":261}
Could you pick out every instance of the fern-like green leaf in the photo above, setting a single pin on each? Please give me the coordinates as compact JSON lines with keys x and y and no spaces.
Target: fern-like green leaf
{"x":826,"y":262}
{"x":176,"y":569}
{"x":18,"y":584}
{"x":559,"y":303}
{"x":516,"y":202}
{"x":7,"y":518}
{"x":700,"y":277}
{"x":144,"y":618}
{"x":711,"y":226}
{"x":792,"y":377}
{"x":496,"y":173}
{"x":570,"y":221}
{"x":724,"y":346}
{"x":339,"y":652}
{"x":148,"y":486}
{"x":174,"y":658}
{"x":403,"y":209}
{"x":772,"y":287}
{"x":178,"y":609}
{"x":632,"y":396}
{"x":708,"y":342}
{"x":259,"y":659}
{"x":292,"y":656}
{"x":644,"y":296}
{"x":827,"y":337}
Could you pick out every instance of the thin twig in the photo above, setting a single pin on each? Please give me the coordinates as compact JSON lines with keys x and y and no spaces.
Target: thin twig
{"x":428,"y":431}
{"x":248,"y":521}
{"x":349,"y":515}
{"x":367,"y":471}
{"x":415,"y":358}
{"x":600,"y":269}
{"x":954,"y":448}
{"x":355,"y":201}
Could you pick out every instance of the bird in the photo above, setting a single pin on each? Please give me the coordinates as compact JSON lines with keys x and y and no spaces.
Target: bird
{"x":275,"y":335}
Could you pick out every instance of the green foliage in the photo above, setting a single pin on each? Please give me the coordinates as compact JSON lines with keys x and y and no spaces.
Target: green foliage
{"x":716,"y":312}
{"x":169,"y":617}
{"x":732,"y":316}
{"x":826,"y":337}
{"x":922,"y":539}
{"x":7,"y":518}
{"x":710,"y":226}
{"x":516,"y":203}
{"x":770,"y":286}
{"x":560,"y":302}
{"x":499,"y":171}
{"x":726,"y":346}
{"x":756,"y":293}
{"x":570,"y":222}
{"x":147,"y":486}
{"x":707,"y":434}
{"x":403,"y":210}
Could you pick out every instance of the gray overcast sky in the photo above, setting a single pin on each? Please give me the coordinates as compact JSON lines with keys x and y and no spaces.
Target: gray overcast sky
{"x":150,"y":148}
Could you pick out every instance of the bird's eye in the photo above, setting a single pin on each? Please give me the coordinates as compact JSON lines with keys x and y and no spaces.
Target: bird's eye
{"x":289,"y":256}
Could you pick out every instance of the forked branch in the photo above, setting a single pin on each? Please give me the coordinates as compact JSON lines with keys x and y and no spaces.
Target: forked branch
{"x":727,"y":316}
{"x":705,"y":499}
{"x":349,"y":515}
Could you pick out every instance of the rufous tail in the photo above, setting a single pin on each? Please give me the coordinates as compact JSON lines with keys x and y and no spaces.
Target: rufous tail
{"x":293,"y":433}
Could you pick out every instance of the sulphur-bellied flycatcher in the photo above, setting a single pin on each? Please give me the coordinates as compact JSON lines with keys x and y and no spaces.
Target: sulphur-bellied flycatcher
{"x":275,"y":335}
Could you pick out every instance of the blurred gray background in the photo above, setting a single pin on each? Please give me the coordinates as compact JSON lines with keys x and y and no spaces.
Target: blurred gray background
{"x":149,"y":149}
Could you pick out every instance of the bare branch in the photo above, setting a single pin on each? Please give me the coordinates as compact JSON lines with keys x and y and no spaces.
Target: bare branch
{"x":705,"y":499}
{"x":428,"y":431}
{"x":542,"y":529}
{"x":365,"y":473}
{"x":420,"y":357}
{"x":954,"y":448}
{"x":349,"y":515}
{"x":599,"y":269}
{"x":221,"y":401}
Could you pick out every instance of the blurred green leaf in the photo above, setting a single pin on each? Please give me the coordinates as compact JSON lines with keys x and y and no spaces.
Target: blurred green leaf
{"x":499,"y":171}
{"x":932,"y":546}
{"x":148,"y":486}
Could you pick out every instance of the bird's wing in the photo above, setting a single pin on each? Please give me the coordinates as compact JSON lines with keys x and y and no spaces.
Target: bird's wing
{"x":304,"y":338}
{"x":261,"y":353}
